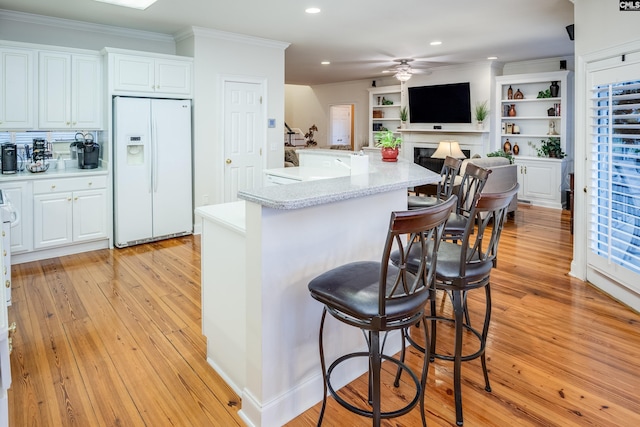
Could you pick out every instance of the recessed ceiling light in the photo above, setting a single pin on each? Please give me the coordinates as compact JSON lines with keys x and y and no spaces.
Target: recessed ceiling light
{"x":312,"y":10}
{"x":325,"y":63}
{"x":492,"y":57}
{"x":436,"y":43}
{"x":135,"y":4}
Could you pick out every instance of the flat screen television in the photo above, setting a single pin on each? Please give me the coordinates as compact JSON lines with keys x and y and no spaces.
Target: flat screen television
{"x":447,"y":103}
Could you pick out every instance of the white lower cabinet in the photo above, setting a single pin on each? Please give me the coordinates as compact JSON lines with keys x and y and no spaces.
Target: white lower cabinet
{"x":20,"y":195}
{"x":541,"y":181}
{"x":67,"y":211}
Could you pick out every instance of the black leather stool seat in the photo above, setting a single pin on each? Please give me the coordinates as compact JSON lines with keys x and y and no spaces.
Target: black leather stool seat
{"x":353,"y":290}
{"x":420,"y":202}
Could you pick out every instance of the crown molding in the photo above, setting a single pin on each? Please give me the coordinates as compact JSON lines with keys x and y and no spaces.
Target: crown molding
{"x":233,"y":37}
{"x":83,"y":26}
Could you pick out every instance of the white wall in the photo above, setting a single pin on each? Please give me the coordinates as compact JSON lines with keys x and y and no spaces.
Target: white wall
{"x":219,"y":55}
{"x":306,"y":105}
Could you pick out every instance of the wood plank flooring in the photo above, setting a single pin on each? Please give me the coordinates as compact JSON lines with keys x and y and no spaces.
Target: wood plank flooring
{"x":113,"y":338}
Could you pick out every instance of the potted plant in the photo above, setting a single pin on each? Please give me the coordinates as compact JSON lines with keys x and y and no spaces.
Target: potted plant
{"x":481,"y":112}
{"x":404,"y":115}
{"x":501,"y":153}
{"x":549,"y":148}
{"x":388,"y":144}
{"x":309,"y":135}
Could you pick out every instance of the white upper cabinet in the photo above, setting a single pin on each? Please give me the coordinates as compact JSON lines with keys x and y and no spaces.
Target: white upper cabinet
{"x":70,"y":91}
{"x":16,"y":88}
{"x":133,"y":73}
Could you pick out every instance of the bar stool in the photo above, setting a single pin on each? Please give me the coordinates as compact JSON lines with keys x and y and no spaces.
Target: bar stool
{"x":462,"y":267}
{"x":473,"y":181}
{"x":444,"y":189}
{"x":378,"y":297}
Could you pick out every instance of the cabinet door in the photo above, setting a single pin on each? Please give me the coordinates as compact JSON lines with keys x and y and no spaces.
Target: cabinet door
{"x":173,"y":76}
{"x":16,"y":88}
{"x":89,"y":215}
{"x":54,"y":99}
{"x":540,"y":182}
{"x":52,"y":220}
{"x":19,"y":194}
{"x":86,"y":93}
{"x":133,"y":73}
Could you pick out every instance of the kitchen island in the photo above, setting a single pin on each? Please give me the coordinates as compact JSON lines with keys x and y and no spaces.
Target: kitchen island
{"x":259,"y":254}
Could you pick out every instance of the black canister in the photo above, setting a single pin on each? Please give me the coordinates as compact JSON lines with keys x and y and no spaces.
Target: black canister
{"x":38,"y":152}
{"x":9,"y":158}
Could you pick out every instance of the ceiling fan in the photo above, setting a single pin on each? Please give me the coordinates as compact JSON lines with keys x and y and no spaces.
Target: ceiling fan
{"x":403,"y":71}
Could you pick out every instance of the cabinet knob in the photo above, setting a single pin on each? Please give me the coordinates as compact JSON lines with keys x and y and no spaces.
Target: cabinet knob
{"x":7,"y":283}
{"x":53,"y":187}
{"x":3,"y":233}
{"x":68,"y":199}
{"x":4,"y":252}
{"x":228,"y":161}
{"x":75,"y":198}
{"x":12,"y":328}
{"x":90,"y":183}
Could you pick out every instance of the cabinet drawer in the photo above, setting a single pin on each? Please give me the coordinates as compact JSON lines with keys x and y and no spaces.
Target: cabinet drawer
{"x":69,"y":184}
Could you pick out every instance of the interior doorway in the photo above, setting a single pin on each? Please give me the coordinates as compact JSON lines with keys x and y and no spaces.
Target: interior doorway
{"x":243,"y":136}
{"x":341,"y":122}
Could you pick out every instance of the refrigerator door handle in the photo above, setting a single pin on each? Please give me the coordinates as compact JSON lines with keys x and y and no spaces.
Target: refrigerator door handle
{"x":154,"y":156}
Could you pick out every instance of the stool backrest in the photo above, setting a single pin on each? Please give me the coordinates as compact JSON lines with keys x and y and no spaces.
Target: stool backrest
{"x":420,"y":228}
{"x":473,"y":181}
{"x":448,"y":175}
{"x":483,"y":234}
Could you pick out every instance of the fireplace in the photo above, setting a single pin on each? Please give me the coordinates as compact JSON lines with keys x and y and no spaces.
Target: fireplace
{"x":422,"y":156}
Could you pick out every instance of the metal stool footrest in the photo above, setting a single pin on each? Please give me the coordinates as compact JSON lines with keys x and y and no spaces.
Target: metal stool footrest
{"x":365,"y":412}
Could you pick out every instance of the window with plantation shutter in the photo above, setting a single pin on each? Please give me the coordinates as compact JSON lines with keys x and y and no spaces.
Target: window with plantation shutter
{"x":614,"y":205}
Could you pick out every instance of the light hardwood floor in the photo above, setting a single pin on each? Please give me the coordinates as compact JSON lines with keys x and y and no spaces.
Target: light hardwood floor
{"x":112,"y":338}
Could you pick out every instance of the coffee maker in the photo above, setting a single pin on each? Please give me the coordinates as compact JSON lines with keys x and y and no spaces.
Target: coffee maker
{"x":9,"y":158}
{"x":88,"y":155}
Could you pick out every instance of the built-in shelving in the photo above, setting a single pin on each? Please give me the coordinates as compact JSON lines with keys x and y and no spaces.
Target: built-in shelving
{"x":543,"y":181}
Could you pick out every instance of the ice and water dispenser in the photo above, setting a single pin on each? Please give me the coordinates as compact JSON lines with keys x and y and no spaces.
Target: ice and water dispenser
{"x":135,"y":150}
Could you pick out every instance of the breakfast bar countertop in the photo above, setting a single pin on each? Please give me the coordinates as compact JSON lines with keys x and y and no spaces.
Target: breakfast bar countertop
{"x":382,"y":177}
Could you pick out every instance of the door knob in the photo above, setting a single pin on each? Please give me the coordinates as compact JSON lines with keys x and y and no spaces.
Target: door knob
{"x":228,"y":161}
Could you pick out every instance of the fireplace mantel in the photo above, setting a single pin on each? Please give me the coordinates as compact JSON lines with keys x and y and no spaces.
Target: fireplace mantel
{"x":476,"y":141}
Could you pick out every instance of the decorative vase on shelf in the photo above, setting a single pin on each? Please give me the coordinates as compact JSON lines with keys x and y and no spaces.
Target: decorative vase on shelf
{"x":554,"y":89}
{"x":506,"y":147}
{"x":510,"y":93}
{"x":516,"y":150}
{"x":480,"y":125}
{"x":512,"y":110}
{"x":518,"y":95}
{"x":389,"y":154}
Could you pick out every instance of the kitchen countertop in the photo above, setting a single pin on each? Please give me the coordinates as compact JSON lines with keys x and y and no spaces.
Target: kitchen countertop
{"x":382,"y":177}
{"x":52,"y":173}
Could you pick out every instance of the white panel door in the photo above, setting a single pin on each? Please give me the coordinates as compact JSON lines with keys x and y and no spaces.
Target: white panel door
{"x":243,"y":137}
{"x":341,"y":124}
{"x":52,"y":220}
{"x":54,"y":91}
{"x":86,"y":101}
{"x":89,"y":215}
{"x":171,"y":166}
{"x":16,"y":88}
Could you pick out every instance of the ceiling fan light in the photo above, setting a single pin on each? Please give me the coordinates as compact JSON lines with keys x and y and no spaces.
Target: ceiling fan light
{"x":403,"y":75}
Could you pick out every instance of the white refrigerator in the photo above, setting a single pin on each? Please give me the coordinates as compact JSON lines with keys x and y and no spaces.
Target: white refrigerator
{"x":152,"y":170}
